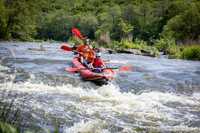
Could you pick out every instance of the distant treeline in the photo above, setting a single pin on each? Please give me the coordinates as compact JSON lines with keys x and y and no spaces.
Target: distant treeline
{"x":102,"y":20}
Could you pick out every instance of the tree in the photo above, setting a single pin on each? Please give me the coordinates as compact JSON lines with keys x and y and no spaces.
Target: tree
{"x":3,"y":21}
{"x":126,"y":29}
{"x":185,"y":26}
{"x":108,"y":23}
{"x":21,"y":22}
{"x":88,"y":25}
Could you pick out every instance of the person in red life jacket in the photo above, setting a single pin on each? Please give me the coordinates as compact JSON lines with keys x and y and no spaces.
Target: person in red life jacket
{"x":86,"y":54}
{"x":98,"y":64}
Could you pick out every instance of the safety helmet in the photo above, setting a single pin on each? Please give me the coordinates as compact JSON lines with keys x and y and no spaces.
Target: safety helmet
{"x":98,"y":54}
{"x":97,"y":50}
{"x":87,"y":41}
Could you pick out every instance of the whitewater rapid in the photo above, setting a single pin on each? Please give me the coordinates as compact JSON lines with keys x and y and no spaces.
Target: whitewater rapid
{"x":159,"y":95}
{"x":107,"y":109}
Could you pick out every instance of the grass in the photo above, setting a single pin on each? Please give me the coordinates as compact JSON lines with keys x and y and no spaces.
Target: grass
{"x":169,"y":46}
{"x":174,"y":52}
{"x":137,"y":44}
{"x":10,"y":120}
{"x":191,"y":52}
{"x":187,"y":52}
{"x":7,"y":128}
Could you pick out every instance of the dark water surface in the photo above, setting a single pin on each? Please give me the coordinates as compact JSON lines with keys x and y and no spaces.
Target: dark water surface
{"x":158,"y":95}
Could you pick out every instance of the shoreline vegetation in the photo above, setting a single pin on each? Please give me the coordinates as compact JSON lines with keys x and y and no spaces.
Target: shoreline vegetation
{"x":160,"y":48}
{"x":150,"y":27}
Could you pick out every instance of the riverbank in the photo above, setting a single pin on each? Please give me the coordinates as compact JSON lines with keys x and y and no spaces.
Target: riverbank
{"x":186,"y":52}
{"x":163,"y":47}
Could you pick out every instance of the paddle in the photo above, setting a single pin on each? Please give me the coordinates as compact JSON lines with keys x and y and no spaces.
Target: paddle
{"x":125,"y":68}
{"x":66,"y":47}
{"x":76,"y":32}
{"x":121,"y":69}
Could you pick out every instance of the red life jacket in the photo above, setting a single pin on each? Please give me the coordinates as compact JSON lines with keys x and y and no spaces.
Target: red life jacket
{"x":86,"y":52}
{"x":98,"y":63}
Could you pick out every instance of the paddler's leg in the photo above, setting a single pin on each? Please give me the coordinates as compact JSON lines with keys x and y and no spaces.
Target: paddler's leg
{"x":84,"y":62}
{"x":97,"y":70}
{"x":81,"y":59}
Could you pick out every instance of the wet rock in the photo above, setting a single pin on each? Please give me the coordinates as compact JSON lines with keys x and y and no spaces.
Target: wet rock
{"x":4,"y":78}
{"x":37,"y":49}
{"x":109,"y":51}
{"x":147,"y":53}
{"x":130,"y":51}
{"x":21,"y":77}
{"x":197,"y":72}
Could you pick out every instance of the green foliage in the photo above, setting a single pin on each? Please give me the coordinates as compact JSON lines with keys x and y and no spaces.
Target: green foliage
{"x":125,"y":27}
{"x":126,"y":44}
{"x":185,"y":26}
{"x":56,"y":27}
{"x":163,"y":44}
{"x":88,"y":25}
{"x":191,"y":52}
{"x":168,"y":46}
{"x":3,"y":21}
{"x":7,"y":128}
{"x":137,"y":44}
{"x":142,"y":45}
{"x":145,"y":20}
{"x":20,"y":19}
{"x":174,"y":51}
{"x":75,"y":41}
{"x":106,"y":21}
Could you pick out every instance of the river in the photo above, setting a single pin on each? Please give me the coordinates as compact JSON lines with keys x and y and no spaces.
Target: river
{"x":157,"y":95}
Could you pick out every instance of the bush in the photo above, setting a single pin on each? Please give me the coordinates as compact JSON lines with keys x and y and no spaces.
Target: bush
{"x":185,"y":25}
{"x":142,"y":45}
{"x":137,"y":44}
{"x":191,"y":52}
{"x":114,"y":45}
{"x":174,"y":51}
{"x":7,"y":128}
{"x":75,"y":41}
{"x":126,"y":44}
{"x":164,"y":44}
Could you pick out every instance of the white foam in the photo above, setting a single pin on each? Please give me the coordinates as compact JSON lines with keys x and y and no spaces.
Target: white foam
{"x":3,"y":68}
{"x":107,"y":101}
{"x":196,"y":96}
{"x":92,"y":126}
{"x":118,"y":62}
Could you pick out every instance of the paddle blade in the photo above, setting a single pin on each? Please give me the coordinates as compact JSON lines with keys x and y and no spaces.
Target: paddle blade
{"x":66,"y":48}
{"x":125,"y":68}
{"x":71,"y":69}
{"x":76,"y":32}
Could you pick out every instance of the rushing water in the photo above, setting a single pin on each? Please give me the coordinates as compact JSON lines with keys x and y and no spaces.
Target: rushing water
{"x":158,"y":95}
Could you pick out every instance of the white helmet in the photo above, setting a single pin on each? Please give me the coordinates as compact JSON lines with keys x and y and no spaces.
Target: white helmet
{"x":98,"y":54}
{"x":87,"y":41}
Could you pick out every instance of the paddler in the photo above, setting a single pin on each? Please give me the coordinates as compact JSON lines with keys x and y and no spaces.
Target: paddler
{"x":98,"y":64}
{"x":86,"y":54}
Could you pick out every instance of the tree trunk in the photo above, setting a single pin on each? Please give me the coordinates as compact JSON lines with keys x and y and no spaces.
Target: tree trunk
{"x":104,"y":38}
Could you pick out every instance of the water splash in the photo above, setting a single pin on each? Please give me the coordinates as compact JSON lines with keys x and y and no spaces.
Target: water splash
{"x":110,"y":107}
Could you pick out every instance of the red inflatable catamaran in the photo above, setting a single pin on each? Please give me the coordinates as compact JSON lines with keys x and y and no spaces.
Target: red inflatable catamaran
{"x":87,"y":74}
